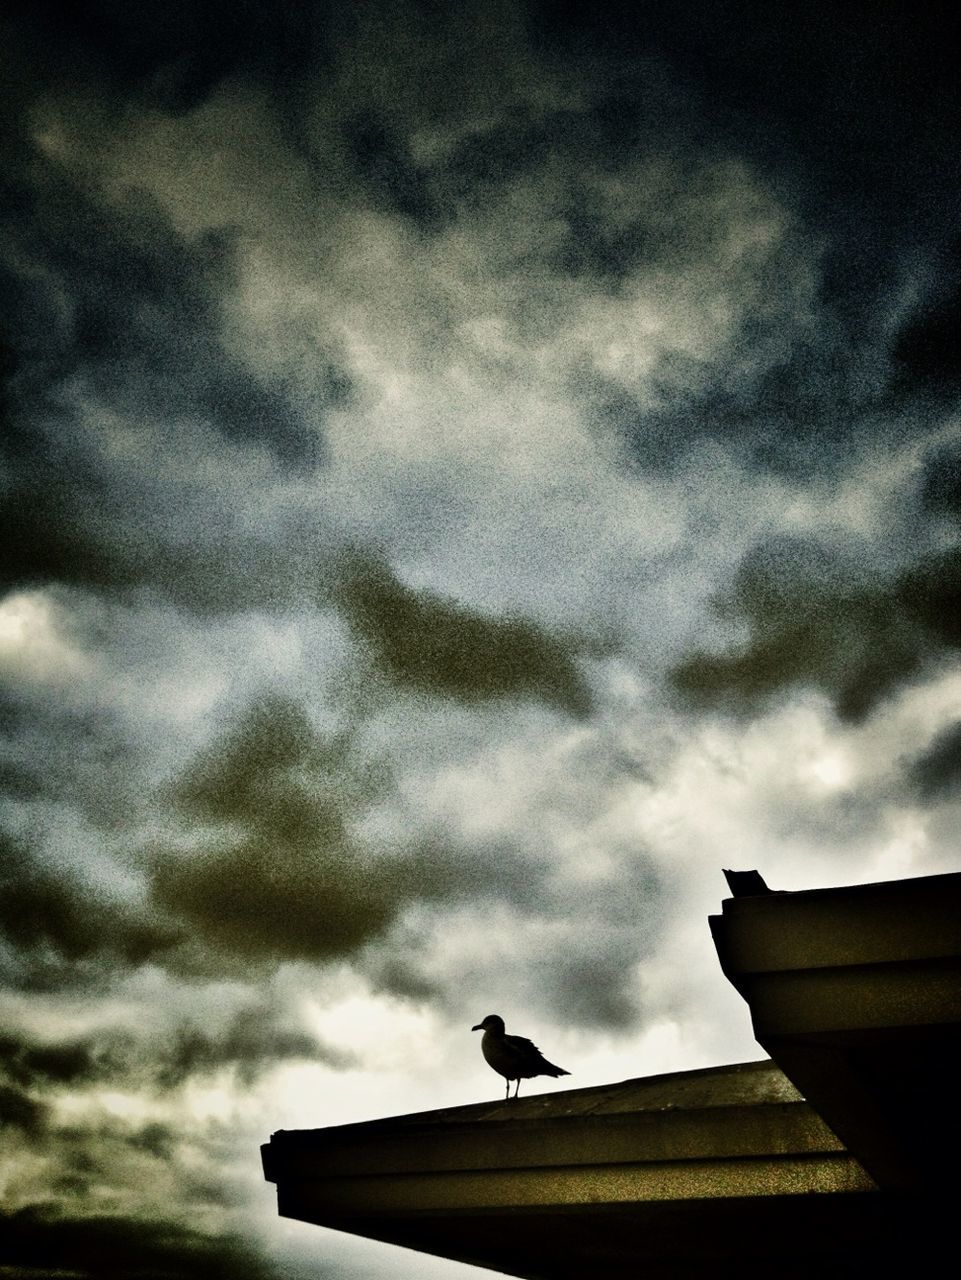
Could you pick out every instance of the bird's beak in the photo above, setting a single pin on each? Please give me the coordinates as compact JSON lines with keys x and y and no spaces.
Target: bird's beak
{"x":479,"y":1027}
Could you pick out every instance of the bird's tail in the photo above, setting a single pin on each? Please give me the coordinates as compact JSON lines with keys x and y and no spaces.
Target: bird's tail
{"x":555,"y":1071}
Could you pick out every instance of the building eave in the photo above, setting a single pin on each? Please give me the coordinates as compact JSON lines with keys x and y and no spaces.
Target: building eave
{"x":836,"y":1157}
{"x":856,"y":994}
{"x":473,"y":1183}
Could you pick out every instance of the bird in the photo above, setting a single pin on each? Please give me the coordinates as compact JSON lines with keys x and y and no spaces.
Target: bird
{"x":513,"y":1057}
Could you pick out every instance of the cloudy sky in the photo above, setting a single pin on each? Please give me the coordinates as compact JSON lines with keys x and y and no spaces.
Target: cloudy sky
{"x":470,"y":473}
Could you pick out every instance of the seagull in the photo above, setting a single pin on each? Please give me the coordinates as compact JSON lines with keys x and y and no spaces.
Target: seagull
{"x":513,"y":1057}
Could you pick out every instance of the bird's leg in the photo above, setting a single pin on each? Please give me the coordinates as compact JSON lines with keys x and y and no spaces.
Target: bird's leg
{"x":517,"y":1087}
{"x":507,"y":1088}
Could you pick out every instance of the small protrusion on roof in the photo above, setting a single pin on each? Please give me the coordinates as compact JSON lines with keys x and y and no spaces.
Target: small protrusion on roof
{"x":746,"y":884}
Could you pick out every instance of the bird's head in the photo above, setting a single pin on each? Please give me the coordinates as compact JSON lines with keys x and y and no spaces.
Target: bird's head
{"x":493,"y":1022}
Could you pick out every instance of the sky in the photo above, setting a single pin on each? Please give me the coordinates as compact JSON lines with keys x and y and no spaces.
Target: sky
{"x":470,"y":473}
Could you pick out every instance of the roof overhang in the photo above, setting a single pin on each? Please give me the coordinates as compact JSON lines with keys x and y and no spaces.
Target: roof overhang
{"x":689,"y":1165}
{"x":836,"y":1158}
{"x":856,"y":994}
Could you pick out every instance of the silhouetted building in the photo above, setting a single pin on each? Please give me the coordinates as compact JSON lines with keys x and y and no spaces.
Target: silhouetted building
{"x":837,"y":1157}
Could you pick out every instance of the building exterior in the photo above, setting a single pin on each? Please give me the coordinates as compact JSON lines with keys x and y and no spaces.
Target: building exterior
{"x":837,"y":1155}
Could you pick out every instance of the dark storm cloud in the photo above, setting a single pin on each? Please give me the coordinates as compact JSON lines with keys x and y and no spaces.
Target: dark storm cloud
{"x":253,"y":1039}
{"x":274,"y":868}
{"x":21,"y":1111}
{"x":593,"y":980}
{"x":59,"y":930}
{"x":571,"y":950}
{"x":610,"y":129}
{"x":279,"y":875}
{"x":114,"y":328}
{"x":68,"y":1062}
{"x":390,"y":178}
{"x":38,"y":1240}
{"x":597,"y":989}
{"x":854,"y":146}
{"x":793,"y":414}
{"x":116,"y":301}
{"x":98,"y":1158}
{"x":96,"y":1211}
{"x":853,"y":112}
{"x":941,"y":481}
{"x":80,"y":758}
{"x":853,"y":120}
{"x":817,"y":621}
{"x":434,"y":645}
{"x":591,"y":977}
{"x":937,"y":771}
{"x":926,"y":352}
{"x":481,"y":871}
{"x":104,"y":1161}
{"x":585,"y":976}
{"x":30,"y":1071}
{"x":71,"y":518}
{"x":264,"y":864}
{"x":787,"y":395}
{"x":111,"y":314}
{"x":173,"y":57}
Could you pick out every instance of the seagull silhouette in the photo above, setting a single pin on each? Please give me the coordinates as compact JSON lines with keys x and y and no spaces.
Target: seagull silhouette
{"x":513,"y":1057}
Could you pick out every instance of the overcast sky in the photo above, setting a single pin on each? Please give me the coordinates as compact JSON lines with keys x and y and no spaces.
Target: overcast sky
{"x":470,"y":473}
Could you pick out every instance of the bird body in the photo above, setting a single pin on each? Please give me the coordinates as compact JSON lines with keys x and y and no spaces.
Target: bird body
{"x":513,"y":1057}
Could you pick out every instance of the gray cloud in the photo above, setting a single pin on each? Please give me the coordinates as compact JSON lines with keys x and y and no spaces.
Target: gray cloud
{"x":270,"y":857}
{"x":873,"y":222}
{"x":536,"y":926}
{"x":275,"y":866}
{"x":390,"y":177}
{"x":113,"y":301}
{"x":925,"y":353}
{"x":38,"y":1240}
{"x":937,"y":771}
{"x":815,"y":620}
{"x":60,"y":931}
{"x":276,"y":869}
{"x":277,"y":874}
{"x":170,"y":61}
{"x":941,"y":482}
{"x":252,"y":1039}
{"x":67,"y":1062}
{"x":21,"y":1111}
{"x":115,"y":341}
{"x":86,"y":759}
{"x":437,"y":646}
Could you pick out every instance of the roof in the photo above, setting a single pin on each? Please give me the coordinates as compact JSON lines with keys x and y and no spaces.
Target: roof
{"x":582,"y":1176}
{"x":700,"y":1133}
{"x":854,"y":992}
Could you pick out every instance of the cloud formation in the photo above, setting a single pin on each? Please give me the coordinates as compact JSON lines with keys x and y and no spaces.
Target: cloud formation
{"x":57,"y":930}
{"x":937,"y":771}
{"x":814,"y":620}
{"x":437,"y":646}
{"x":39,"y":1241}
{"x":278,"y":874}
